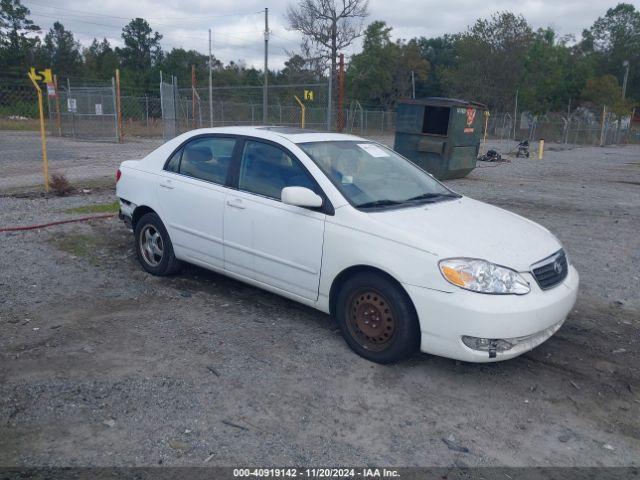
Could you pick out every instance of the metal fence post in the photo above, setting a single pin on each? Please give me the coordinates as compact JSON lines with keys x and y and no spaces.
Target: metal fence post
{"x":115,"y":107}
{"x":602,"y":127}
{"x":58,"y":121}
{"x":73,"y":123}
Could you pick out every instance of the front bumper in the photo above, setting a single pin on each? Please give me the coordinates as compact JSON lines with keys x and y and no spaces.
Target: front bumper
{"x":530,"y":319}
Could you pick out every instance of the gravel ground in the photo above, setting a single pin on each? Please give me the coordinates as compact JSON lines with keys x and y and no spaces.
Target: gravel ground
{"x":102,"y":364}
{"x":79,"y":161}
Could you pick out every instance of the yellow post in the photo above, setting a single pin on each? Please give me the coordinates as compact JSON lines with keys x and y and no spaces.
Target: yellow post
{"x":541,"y":149}
{"x":302,"y":111}
{"x":486,"y":125}
{"x":45,"y":163}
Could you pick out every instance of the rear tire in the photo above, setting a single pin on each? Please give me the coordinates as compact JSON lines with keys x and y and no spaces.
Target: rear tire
{"x":377,"y":319}
{"x":153,"y":246}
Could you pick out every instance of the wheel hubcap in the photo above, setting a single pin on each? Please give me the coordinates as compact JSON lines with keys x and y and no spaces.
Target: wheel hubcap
{"x":371,"y":320}
{"x":151,"y":246}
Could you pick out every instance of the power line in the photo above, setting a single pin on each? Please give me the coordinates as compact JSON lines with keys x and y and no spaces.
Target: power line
{"x":119,"y":27}
{"x":251,"y":45}
{"x":55,"y":17}
{"x":93,"y":14}
{"x":77,"y":18}
{"x":165,"y":40}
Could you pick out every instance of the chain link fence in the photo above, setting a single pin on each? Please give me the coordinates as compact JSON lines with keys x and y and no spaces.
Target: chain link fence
{"x":84,"y":113}
{"x":90,"y":113}
{"x":583,"y":126}
{"x":18,"y":106}
{"x":141,"y":116}
{"x":243,"y":105}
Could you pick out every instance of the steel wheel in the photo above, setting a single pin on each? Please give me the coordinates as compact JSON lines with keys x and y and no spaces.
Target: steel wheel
{"x":371,"y":319}
{"x":150,"y":245}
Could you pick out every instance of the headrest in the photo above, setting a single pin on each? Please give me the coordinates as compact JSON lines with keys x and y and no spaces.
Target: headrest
{"x":266,"y":154}
{"x":198,"y":154}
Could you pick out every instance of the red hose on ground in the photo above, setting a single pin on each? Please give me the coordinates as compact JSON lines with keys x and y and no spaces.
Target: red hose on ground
{"x":59,"y":222}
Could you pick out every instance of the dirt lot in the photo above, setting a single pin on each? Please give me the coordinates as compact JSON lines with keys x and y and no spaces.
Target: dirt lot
{"x":102,"y":364}
{"x":79,"y":161}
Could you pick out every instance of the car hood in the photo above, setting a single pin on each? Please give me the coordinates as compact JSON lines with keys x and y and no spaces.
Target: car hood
{"x":468,"y":228}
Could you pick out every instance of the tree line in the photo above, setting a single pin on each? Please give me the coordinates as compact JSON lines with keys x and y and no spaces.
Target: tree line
{"x":502,"y":57}
{"x":492,"y":61}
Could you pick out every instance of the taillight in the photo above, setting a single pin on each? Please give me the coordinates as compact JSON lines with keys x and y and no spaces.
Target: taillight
{"x":118,"y":175}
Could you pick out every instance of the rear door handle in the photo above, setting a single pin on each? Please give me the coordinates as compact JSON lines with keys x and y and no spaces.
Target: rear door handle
{"x":236,"y":203}
{"x":166,"y":183}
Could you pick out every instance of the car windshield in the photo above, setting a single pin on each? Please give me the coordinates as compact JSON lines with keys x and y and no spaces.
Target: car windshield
{"x":370,"y":175}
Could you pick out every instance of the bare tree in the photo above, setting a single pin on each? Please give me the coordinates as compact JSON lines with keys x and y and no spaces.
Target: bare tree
{"x":327,"y":26}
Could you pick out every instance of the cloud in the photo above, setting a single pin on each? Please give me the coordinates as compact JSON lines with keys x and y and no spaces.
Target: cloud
{"x":238,"y":26}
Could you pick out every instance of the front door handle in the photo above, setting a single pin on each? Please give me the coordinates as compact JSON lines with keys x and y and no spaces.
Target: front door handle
{"x":166,"y":184}
{"x":236,"y":203}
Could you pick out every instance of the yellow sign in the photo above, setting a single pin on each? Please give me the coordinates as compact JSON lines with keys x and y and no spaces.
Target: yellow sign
{"x":44,"y":75}
{"x":308,"y":95}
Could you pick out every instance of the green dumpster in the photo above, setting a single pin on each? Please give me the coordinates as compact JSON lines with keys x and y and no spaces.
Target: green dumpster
{"x":440,"y":135}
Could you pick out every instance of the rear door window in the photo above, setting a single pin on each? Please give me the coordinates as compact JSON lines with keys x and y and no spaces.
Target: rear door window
{"x":207,"y":158}
{"x":173,"y":165}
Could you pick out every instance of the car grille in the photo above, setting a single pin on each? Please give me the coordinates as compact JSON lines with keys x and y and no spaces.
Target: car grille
{"x":551,"y":271}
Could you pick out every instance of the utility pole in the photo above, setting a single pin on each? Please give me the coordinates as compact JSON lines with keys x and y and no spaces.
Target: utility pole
{"x":329,"y":103}
{"x":341,"y":94}
{"x":210,"y":83}
{"x":413,"y":84}
{"x":625,"y":64}
{"x":265,"y":87}
{"x":193,"y":96}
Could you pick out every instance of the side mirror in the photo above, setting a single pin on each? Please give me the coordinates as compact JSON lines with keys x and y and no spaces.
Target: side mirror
{"x":300,"y":197}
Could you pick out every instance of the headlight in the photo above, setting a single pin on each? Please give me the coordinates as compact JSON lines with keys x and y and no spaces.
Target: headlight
{"x":483,"y":277}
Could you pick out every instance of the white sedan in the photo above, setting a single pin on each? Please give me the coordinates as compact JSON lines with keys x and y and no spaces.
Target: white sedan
{"x":353,"y":229}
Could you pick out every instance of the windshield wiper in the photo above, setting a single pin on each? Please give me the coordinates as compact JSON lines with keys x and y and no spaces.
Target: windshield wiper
{"x":431,"y":197}
{"x":425,"y":197}
{"x":379,"y":203}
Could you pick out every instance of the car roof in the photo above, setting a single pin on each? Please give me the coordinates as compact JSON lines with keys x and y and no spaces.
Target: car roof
{"x":293,"y":134}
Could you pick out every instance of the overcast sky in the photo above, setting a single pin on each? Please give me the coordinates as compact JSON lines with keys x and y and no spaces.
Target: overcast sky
{"x":238,"y":25}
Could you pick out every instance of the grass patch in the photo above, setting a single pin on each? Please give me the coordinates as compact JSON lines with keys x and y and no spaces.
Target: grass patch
{"x":111,"y":207}
{"x":23,"y":125}
{"x":77,"y":244}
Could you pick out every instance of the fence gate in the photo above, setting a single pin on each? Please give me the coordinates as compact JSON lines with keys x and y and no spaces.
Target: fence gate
{"x":86,"y":113}
{"x":168,"y":94}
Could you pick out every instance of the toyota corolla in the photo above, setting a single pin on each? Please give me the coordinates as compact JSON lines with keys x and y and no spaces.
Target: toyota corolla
{"x":353,"y":229}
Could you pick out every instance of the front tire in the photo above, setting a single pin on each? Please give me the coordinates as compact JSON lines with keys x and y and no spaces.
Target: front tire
{"x":377,"y":319}
{"x":153,"y":246}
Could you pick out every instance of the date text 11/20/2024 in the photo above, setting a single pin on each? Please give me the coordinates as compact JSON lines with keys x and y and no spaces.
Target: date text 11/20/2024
{"x":316,"y":472}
